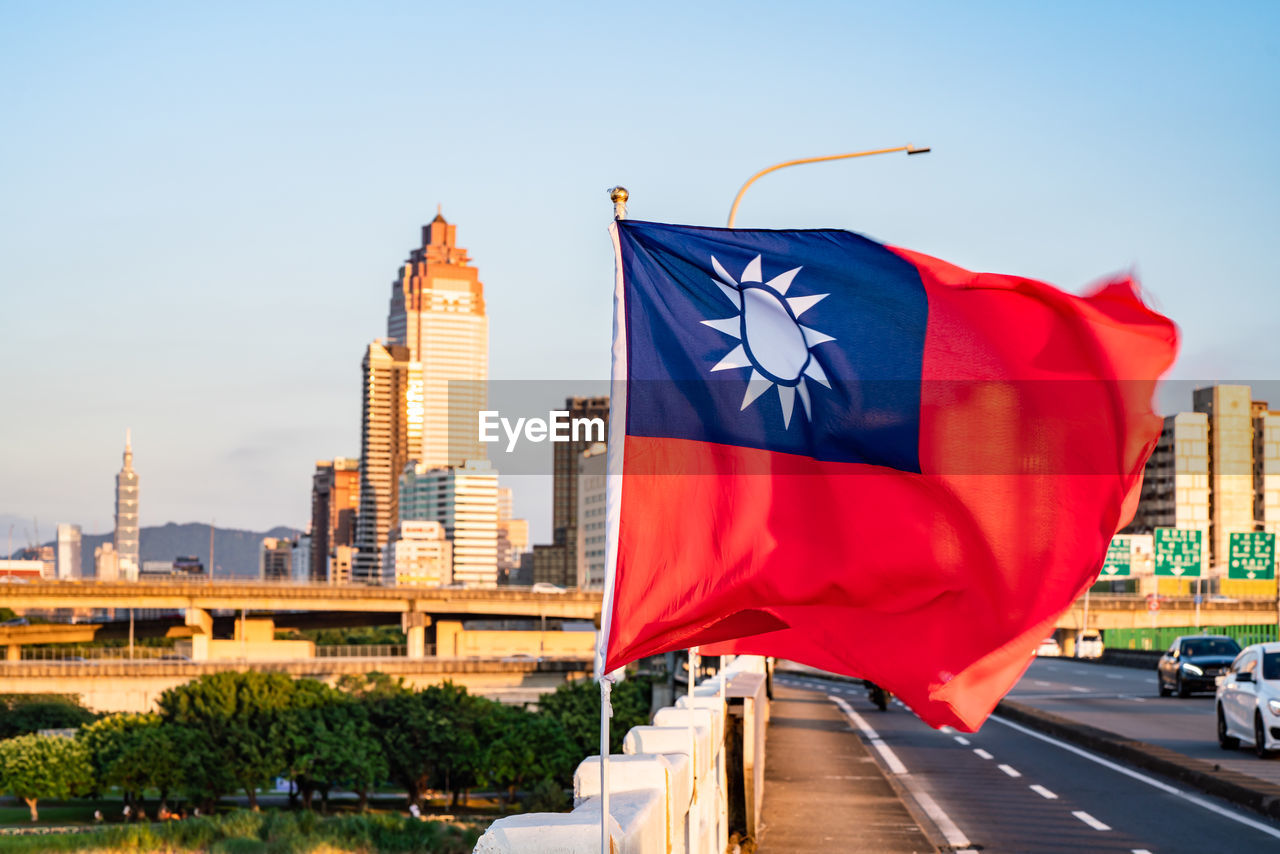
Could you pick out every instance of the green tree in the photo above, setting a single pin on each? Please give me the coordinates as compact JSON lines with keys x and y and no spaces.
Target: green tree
{"x":457,"y":746}
{"x":410,"y":732}
{"x":527,"y":749}
{"x":576,"y":705}
{"x":345,"y":751}
{"x":26,"y":713}
{"x":240,"y":719}
{"x":44,"y":766}
{"x":135,"y":753}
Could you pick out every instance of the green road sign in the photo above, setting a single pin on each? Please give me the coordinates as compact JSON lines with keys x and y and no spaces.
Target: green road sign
{"x":1178,"y":552}
{"x":1119,"y":557}
{"x":1252,"y":556}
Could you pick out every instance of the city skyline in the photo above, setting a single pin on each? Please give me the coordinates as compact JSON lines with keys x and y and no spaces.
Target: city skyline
{"x":1068,"y":144}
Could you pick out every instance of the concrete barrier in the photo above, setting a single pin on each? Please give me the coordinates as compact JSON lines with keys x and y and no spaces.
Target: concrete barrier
{"x":669,"y":791}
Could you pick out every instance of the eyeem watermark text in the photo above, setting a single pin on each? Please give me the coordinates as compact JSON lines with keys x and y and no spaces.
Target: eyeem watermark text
{"x":556,"y":427}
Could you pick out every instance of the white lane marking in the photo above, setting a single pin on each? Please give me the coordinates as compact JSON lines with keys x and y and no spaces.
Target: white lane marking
{"x":1090,"y":820}
{"x":890,"y":758}
{"x":960,"y":739}
{"x":1081,"y":690}
{"x":1114,"y":676}
{"x":1041,"y":682}
{"x":1140,"y":851}
{"x":954,"y":835}
{"x":1274,"y":833}
{"x":1138,"y":699}
{"x":1043,"y":792}
{"x":948,"y":730}
{"x":1010,"y":770}
{"x":982,"y":753}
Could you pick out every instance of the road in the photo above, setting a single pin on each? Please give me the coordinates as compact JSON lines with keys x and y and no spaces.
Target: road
{"x":1125,"y":701}
{"x":1010,"y":789}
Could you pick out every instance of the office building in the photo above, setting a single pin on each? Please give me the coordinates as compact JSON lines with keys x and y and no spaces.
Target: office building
{"x":300,"y":559}
{"x":513,"y":536}
{"x":127,"y":542}
{"x":340,"y":564}
{"x":106,"y":562}
{"x":1266,"y":467}
{"x":67,"y":549}
{"x":335,"y":499}
{"x":557,"y":563}
{"x":591,"y":518}
{"x":275,"y":559}
{"x":1229,"y":411}
{"x":437,"y":312}
{"x":391,"y":436}
{"x":418,"y":553}
{"x":464,"y":500}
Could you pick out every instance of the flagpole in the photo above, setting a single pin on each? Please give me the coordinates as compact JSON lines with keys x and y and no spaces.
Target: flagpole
{"x":617,"y":427}
{"x":733,"y":211}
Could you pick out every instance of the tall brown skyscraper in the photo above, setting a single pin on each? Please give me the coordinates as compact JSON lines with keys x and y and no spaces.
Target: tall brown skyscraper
{"x":390,"y":436}
{"x":557,"y":563}
{"x":335,"y":498}
{"x":437,"y":312}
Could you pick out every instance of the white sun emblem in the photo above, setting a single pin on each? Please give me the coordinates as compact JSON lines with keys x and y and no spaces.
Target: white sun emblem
{"x":773,"y":343}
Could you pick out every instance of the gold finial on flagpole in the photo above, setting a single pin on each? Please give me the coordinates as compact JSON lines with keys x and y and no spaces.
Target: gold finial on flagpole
{"x":619,"y":196}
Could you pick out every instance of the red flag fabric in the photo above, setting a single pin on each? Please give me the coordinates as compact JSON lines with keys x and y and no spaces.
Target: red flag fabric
{"x":863,"y":458}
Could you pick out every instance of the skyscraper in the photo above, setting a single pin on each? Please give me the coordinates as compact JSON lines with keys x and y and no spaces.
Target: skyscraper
{"x":127,"y":543}
{"x":557,"y":563}
{"x":513,"y":536}
{"x":437,"y":312}
{"x":390,"y":436}
{"x":1231,"y":489}
{"x":464,"y":500}
{"x":335,"y":498}
{"x":68,"y":552}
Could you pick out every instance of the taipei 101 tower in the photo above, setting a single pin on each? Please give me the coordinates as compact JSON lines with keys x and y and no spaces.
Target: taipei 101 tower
{"x":126,"y":541}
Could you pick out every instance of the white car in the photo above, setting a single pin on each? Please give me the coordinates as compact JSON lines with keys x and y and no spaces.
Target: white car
{"x":1089,"y":644}
{"x":1248,"y":700}
{"x":1049,"y":647}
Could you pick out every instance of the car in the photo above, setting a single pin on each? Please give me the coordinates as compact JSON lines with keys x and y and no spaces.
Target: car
{"x":1248,"y":700}
{"x":544,"y":587}
{"x":1049,"y":647}
{"x":1193,"y":662}
{"x":1089,"y":644}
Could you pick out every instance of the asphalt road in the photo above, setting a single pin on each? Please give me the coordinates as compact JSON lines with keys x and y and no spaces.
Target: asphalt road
{"x":1125,"y":701}
{"x":1009,"y":789}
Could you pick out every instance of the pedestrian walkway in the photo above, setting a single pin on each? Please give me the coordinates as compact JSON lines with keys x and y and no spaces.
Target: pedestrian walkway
{"x":823,"y":791}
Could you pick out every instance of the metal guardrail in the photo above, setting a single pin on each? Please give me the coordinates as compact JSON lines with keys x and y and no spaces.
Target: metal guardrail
{"x":367,"y":650}
{"x":99,"y":653}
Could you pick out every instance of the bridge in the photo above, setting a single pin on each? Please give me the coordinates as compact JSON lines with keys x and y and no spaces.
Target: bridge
{"x":1130,"y":611}
{"x":417,"y":607}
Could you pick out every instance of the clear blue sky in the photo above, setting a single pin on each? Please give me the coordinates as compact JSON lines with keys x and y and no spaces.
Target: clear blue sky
{"x":202,"y":206}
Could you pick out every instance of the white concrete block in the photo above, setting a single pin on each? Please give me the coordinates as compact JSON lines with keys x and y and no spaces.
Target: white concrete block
{"x":627,"y":773}
{"x":548,"y":833}
{"x":674,"y":744}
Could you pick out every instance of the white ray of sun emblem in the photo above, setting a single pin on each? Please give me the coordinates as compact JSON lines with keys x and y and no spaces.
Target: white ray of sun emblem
{"x":773,"y":343}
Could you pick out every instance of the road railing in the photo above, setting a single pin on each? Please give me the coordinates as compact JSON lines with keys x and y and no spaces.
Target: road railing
{"x":681,"y":785}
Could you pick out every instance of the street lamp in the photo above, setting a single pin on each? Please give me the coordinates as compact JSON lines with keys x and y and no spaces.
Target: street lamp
{"x":909,"y":149}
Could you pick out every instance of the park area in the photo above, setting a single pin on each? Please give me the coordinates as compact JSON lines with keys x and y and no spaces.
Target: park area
{"x":247,"y":762}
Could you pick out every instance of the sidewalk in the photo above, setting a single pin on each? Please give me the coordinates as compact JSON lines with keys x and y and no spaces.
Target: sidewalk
{"x":823,"y":791}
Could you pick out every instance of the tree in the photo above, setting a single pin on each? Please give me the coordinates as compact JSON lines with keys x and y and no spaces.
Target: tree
{"x":576,"y":705}
{"x":134,"y":753}
{"x":26,"y":713}
{"x":240,"y":719}
{"x":44,"y":766}
{"x":346,"y":750}
{"x":528,"y":748}
{"x":409,"y":731}
{"x":457,"y":748}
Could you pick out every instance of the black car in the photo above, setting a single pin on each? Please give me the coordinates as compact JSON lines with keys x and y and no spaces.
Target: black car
{"x":1193,"y":663}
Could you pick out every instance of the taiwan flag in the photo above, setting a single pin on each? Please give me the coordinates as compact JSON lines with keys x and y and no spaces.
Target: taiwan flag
{"x":863,"y":458}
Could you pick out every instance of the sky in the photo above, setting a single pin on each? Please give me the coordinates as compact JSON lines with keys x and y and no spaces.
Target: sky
{"x":203,"y":206}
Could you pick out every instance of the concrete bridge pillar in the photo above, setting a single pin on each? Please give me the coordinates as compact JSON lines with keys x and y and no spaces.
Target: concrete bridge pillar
{"x":202,"y":622}
{"x":415,"y":629}
{"x":13,"y":652}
